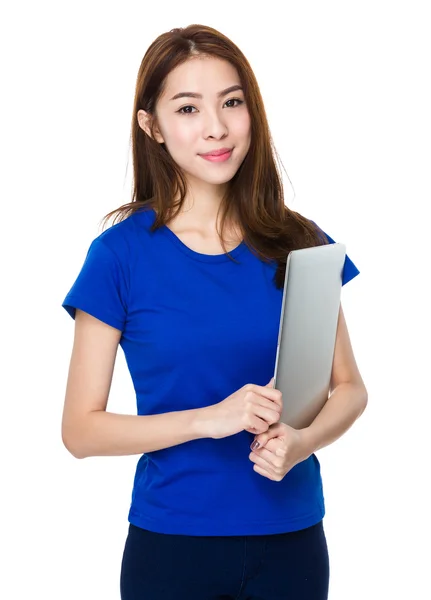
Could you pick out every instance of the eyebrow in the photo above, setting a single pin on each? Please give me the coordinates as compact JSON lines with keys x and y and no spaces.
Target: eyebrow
{"x":232,"y":88}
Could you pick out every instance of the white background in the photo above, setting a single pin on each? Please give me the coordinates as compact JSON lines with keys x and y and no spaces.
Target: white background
{"x":346,"y":88}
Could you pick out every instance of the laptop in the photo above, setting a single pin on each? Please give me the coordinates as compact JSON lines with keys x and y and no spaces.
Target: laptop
{"x":307,"y":332}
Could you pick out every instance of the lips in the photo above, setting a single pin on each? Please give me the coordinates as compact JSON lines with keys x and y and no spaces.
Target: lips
{"x":217,"y":152}
{"x":217,"y":158}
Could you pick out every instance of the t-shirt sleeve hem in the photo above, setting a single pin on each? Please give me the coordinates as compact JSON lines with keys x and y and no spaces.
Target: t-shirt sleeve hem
{"x":350,"y":270}
{"x":71,"y":303}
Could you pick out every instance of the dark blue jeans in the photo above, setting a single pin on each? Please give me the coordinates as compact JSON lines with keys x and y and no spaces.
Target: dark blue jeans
{"x":287,"y":566}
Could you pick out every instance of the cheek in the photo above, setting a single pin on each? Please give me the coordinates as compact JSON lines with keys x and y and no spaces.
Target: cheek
{"x":241,"y":127}
{"x":179,"y":133}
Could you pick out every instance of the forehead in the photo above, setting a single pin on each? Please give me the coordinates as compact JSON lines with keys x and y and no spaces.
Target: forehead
{"x":205,"y":75}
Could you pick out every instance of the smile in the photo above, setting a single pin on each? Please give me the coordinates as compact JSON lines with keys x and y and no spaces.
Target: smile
{"x":217,"y":158}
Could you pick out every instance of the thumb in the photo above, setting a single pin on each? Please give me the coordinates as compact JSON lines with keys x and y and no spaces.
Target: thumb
{"x":271,"y":383}
{"x":263,"y":438}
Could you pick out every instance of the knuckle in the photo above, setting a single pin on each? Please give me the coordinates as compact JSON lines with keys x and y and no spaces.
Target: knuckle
{"x":248,"y":397}
{"x":248,"y":422}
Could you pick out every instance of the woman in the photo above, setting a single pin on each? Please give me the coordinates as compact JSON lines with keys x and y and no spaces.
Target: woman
{"x":188,"y":281}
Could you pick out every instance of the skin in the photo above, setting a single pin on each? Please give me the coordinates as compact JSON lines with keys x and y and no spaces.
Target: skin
{"x":208,"y":123}
{"x":191,"y":126}
{"x":282,"y":447}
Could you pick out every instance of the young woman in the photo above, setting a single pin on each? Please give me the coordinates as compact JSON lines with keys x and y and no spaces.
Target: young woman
{"x":188,"y":281}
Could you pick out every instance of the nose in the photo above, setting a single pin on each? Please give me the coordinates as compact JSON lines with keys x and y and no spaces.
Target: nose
{"x":214,"y":126}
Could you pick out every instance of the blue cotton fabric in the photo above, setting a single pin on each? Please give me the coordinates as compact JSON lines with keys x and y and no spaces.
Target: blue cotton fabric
{"x":195,"y":328}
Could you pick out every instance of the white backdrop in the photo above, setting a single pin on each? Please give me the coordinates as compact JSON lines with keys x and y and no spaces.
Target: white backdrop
{"x":346,"y":87}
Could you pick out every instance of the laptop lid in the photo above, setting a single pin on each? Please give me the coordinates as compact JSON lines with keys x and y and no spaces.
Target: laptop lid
{"x":307,"y":332}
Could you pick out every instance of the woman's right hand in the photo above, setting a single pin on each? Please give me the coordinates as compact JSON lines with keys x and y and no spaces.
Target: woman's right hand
{"x":252,"y":408}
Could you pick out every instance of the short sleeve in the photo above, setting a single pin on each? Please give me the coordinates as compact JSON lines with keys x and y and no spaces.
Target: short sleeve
{"x":100,"y":288}
{"x":350,"y":270}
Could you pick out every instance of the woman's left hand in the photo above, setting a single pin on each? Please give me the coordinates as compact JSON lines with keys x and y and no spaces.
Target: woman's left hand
{"x":280,"y":449}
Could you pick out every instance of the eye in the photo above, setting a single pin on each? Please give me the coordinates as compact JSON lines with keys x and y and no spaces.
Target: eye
{"x":185,"y":109}
{"x":186,"y":112}
{"x":235,"y":100}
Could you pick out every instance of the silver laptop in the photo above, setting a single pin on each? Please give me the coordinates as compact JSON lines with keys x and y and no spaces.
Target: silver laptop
{"x":307,"y":333}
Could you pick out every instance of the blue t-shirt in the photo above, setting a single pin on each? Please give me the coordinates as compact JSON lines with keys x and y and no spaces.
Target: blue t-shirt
{"x":196,"y":328}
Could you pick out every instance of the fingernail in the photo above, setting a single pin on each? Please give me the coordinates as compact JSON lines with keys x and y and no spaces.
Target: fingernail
{"x":254,"y":445}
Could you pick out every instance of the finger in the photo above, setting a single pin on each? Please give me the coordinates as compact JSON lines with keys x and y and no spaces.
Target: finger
{"x":267,"y":407}
{"x":272,"y":459}
{"x":262,"y":439}
{"x":266,"y":473}
{"x":270,"y":416}
{"x":267,"y":403}
{"x":256,"y":425}
{"x":276,"y":446}
{"x":267,"y":392}
{"x":262,"y":463}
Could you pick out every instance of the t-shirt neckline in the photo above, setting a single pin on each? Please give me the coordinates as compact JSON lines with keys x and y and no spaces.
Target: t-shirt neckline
{"x":209,"y":258}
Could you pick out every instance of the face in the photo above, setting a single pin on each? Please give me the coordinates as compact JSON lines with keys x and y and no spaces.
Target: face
{"x":202,"y":110}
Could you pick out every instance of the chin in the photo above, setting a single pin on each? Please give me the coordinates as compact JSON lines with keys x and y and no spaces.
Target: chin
{"x":216,"y":178}
{"x":219,"y":180}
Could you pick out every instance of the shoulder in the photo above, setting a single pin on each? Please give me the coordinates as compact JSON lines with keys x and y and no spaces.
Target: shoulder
{"x":350,"y":269}
{"x":123,"y":237}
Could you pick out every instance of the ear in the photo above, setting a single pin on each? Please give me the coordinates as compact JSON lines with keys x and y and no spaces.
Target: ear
{"x":144,"y":120}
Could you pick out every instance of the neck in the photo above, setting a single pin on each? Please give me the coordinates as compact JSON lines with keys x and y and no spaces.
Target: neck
{"x":201,"y":204}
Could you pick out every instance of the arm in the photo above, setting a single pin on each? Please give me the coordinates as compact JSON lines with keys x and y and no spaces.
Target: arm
{"x":282,"y":447}
{"x":348,"y":398}
{"x":87,"y":429}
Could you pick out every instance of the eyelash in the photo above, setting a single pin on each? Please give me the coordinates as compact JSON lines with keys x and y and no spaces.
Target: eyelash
{"x":180,"y":111}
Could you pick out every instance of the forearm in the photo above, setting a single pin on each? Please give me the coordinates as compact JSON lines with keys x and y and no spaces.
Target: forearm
{"x":346,"y":403}
{"x":103,"y":433}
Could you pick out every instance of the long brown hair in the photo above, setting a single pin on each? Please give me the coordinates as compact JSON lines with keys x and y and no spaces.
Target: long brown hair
{"x":254,"y":198}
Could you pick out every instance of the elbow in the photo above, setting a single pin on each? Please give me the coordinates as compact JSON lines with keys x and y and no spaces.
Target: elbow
{"x":362,"y":398}
{"x":71,"y":442}
{"x":357,"y":395}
